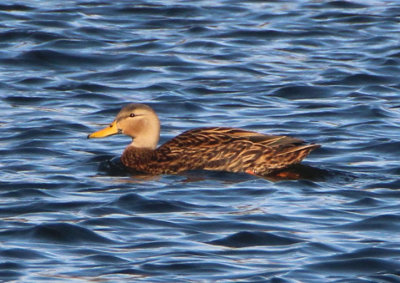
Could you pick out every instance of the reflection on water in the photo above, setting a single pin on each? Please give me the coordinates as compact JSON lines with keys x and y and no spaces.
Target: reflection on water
{"x":326,"y":72}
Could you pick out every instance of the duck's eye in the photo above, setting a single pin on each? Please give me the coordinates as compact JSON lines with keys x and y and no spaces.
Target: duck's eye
{"x":132,"y":115}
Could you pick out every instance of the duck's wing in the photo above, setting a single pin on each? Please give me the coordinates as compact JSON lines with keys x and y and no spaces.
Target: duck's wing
{"x":221,"y":135}
{"x":230,"y":149}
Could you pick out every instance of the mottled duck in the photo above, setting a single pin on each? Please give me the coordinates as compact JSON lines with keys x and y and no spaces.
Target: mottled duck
{"x":211,"y":148}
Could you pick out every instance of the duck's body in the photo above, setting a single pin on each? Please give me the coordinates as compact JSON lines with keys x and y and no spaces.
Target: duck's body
{"x":218,"y":148}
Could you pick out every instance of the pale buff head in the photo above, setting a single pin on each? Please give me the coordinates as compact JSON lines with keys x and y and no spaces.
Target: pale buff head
{"x":138,"y":121}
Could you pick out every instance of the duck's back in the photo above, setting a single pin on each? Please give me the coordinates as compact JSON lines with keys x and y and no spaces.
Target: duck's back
{"x":228,"y":149}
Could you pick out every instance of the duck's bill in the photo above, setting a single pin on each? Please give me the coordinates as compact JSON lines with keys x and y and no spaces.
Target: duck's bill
{"x":109,"y":131}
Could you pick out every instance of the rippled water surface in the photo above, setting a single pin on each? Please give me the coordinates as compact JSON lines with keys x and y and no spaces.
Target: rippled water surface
{"x":324,"y":71}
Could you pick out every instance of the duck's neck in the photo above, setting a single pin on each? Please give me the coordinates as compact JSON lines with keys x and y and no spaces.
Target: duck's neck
{"x":144,"y":142}
{"x":149,"y":135}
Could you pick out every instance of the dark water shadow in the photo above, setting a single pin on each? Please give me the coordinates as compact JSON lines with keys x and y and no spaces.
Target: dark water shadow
{"x":307,"y":172}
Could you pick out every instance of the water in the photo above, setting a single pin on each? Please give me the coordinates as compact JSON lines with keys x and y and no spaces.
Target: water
{"x":324,"y":71}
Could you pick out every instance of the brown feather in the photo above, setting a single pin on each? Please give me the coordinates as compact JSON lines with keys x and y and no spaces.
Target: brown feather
{"x":221,"y":149}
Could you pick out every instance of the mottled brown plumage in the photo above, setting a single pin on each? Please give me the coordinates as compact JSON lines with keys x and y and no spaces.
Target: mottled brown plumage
{"x":217,"y":148}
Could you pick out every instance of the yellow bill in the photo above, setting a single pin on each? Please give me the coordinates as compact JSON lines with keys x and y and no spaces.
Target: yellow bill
{"x":110,"y":130}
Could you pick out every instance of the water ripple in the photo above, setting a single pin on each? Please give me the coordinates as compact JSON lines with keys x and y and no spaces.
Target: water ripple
{"x":324,"y":71}
{"x":246,"y":239}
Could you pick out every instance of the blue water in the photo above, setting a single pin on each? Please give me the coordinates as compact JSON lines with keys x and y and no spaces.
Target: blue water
{"x":324,"y":71}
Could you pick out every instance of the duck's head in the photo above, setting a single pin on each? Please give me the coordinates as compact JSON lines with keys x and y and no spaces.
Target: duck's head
{"x":138,"y":121}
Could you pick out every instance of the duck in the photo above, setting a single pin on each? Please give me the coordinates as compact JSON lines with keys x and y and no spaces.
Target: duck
{"x":207,"y":148}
